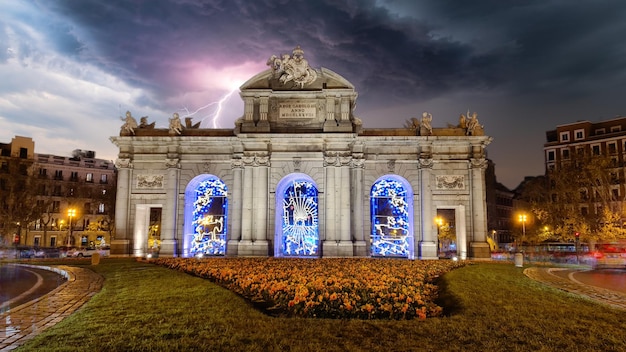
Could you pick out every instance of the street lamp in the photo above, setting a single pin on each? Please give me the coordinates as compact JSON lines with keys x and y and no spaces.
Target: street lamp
{"x":522,"y":219}
{"x":71,"y":212}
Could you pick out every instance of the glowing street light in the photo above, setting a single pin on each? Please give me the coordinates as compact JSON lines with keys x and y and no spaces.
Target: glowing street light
{"x":522,"y":219}
{"x":71,"y":212}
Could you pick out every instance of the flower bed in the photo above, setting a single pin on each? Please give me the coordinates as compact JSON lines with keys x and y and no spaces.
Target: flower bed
{"x":327,"y":288}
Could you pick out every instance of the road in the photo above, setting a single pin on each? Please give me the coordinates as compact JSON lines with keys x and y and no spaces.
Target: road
{"x":611,"y":279}
{"x":19,"y":284}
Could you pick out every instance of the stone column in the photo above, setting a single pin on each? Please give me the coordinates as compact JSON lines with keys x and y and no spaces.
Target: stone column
{"x":234,"y":213}
{"x":345,"y":245}
{"x":170,"y":209}
{"x":260,"y":202}
{"x":246,"y":213}
{"x":479,"y":248}
{"x":329,"y":246}
{"x":360,"y":246}
{"x":428,"y":244}
{"x":121,"y":243}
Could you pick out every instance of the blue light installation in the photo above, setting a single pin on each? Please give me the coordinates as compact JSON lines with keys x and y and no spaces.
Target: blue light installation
{"x":209,"y":218}
{"x":391,"y":207}
{"x":297,"y":214}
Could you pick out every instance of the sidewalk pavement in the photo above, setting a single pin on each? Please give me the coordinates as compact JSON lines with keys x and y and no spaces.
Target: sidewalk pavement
{"x":548,"y":276}
{"x":19,"y":324}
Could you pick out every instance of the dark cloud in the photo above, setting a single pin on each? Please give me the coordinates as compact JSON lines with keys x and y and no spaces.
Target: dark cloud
{"x":515,"y":61}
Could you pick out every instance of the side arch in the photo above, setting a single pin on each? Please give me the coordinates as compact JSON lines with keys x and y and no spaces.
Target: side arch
{"x":206,"y":217}
{"x":391,"y":215}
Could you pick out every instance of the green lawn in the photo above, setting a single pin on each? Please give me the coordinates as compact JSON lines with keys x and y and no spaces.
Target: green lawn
{"x":488,"y":306}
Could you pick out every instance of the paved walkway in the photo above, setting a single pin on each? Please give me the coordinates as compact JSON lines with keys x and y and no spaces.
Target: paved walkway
{"x":550,"y":277}
{"x":22,"y":323}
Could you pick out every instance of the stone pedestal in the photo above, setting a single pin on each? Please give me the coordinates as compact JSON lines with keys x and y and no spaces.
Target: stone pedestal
{"x":168,"y":248}
{"x":428,"y":250}
{"x":258,"y":248}
{"x":120,"y":247}
{"x":479,"y":250}
{"x":337,"y":249}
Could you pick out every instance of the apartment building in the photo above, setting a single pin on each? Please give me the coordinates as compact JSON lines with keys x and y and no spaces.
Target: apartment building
{"x":573,"y":142}
{"x":74,"y":196}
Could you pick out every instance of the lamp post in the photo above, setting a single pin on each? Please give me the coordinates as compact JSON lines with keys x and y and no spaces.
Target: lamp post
{"x":71,"y":212}
{"x":522,"y":219}
{"x":519,"y":256}
{"x":439,"y":222}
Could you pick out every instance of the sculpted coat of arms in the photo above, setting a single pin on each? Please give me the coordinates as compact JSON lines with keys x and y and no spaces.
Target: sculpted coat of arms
{"x":292,"y":68}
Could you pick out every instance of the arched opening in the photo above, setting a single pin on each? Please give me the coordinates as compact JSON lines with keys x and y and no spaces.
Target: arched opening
{"x":206,"y":215}
{"x":297,"y":226}
{"x":391,"y":209}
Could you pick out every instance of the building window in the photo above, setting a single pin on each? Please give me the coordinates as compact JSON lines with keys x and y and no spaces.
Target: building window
{"x":564,"y":136}
{"x":616,"y":128}
{"x":612,"y":148}
{"x":58,"y":174}
{"x":565,"y":153}
{"x":550,"y":155}
{"x":595,"y":149}
{"x":74,"y":176}
{"x":103,"y":178}
{"x":89,"y":177}
{"x":600,"y":131}
{"x":206,"y":207}
{"x":579,"y":134}
{"x":391,"y":210}
{"x":101,"y":208}
{"x":23,"y":153}
{"x":43,"y":172}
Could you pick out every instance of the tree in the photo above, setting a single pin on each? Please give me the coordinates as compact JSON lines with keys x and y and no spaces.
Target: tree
{"x":577,"y":196}
{"x":18,"y":197}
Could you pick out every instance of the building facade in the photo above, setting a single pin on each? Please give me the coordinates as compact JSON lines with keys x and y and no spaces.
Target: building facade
{"x":578,"y":142}
{"x":69,"y":199}
{"x":299,"y":176}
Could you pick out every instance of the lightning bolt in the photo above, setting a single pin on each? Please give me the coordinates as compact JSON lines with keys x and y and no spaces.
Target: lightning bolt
{"x":213,"y":116}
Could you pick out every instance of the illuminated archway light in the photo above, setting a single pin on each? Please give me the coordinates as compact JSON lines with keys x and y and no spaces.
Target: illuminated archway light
{"x":390,"y":209}
{"x":298,"y":236}
{"x":209,"y":218}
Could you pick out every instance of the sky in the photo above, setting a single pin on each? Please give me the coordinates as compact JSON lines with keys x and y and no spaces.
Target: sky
{"x":70,"y":69}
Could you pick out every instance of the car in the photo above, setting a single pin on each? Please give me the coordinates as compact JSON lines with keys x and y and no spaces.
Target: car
{"x":610,"y":256}
{"x":87,"y":252}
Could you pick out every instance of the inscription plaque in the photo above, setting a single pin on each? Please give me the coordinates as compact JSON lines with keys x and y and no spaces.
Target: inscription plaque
{"x":297,"y":110}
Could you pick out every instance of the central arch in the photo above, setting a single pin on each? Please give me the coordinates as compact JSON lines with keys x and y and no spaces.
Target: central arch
{"x":297,"y":225}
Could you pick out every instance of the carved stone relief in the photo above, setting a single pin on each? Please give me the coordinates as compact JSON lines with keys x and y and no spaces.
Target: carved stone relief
{"x":149,"y":181}
{"x":450,"y":182}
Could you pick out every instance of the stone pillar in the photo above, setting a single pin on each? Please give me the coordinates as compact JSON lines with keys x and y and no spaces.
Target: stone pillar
{"x":170,"y":209}
{"x":234,"y":211}
{"x":345,"y":248}
{"x":254,"y":214}
{"x":263,"y":125}
{"x":260,"y":202}
{"x":461,"y":231}
{"x":479,"y":248}
{"x":428,"y":244}
{"x":329,"y":246}
{"x":360,"y":246}
{"x":121,"y":243}
{"x":246,"y":213}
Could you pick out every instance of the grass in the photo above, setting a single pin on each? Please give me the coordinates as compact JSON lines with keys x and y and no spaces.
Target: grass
{"x":487,"y":306}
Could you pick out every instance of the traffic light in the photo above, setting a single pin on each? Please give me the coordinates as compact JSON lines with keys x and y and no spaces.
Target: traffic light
{"x":577,"y":235}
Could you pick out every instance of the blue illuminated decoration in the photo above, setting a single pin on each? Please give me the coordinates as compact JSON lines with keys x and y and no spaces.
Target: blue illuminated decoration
{"x":297,"y":214}
{"x":208,"y":217}
{"x":391,"y":209}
